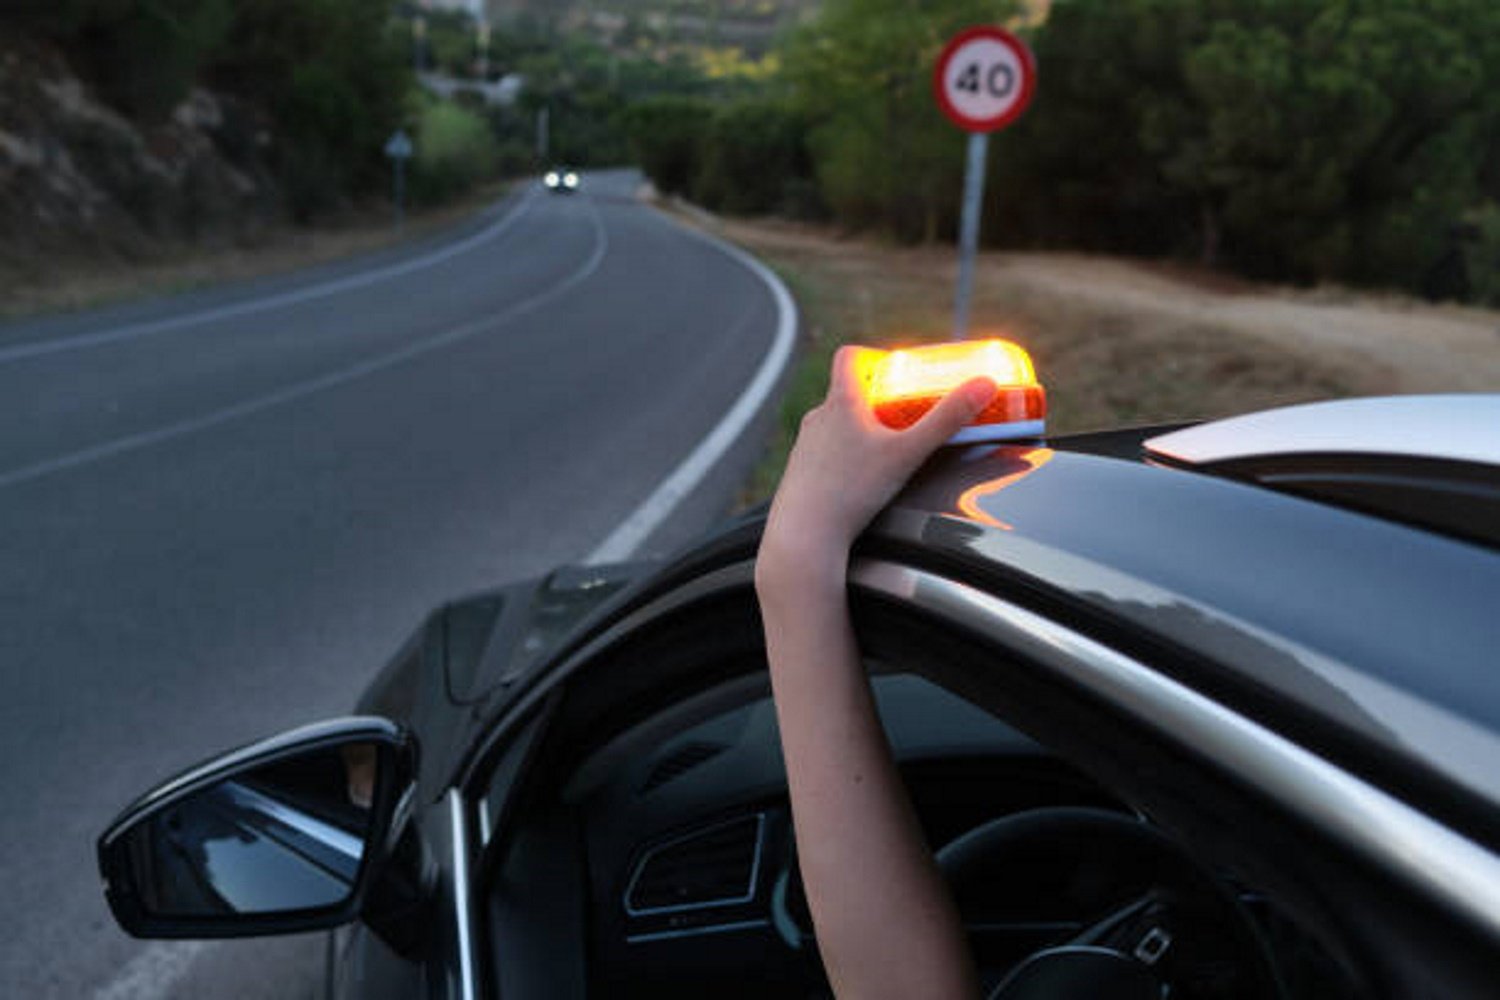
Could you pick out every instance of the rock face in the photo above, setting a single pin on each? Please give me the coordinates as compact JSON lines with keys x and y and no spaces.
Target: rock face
{"x":76,"y":178}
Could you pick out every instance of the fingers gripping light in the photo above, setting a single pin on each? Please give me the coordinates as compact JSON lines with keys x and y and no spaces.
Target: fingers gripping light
{"x":903,"y":385}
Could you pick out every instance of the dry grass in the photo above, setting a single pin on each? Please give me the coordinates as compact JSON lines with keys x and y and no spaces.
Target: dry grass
{"x":1117,"y":342}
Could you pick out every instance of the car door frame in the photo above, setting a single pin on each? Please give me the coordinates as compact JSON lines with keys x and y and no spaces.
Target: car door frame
{"x":1087,"y":701}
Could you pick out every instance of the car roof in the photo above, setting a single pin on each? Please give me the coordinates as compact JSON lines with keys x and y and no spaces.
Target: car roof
{"x":1365,"y":639}
{"x":1372,"y":638}
{"x":1458,"y":427}
{"x":1432,"y":461}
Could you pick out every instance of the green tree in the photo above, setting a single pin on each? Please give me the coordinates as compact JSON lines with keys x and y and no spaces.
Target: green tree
{"x":1340,"y":142}
{"x":455,"y":150}
{"x":61,"y":19}
{"x":333,"y":78}
{"x":142,"y":55}
{"x":1302,"y":139}
{"x":1074,"y":171}
{"x":754,"y":158}
{"x":666,"y":134}
{"x":861,"y":72}
{"x":452,"y":42}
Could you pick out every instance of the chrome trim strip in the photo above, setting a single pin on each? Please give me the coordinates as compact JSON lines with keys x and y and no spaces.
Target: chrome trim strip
{"x":484,"y":821}
{"x":741,"y":925}
{"x":400,"y":816}
{"x":1426,"y":854}
{"x":460,"y":877}
{"x":747,"y":896}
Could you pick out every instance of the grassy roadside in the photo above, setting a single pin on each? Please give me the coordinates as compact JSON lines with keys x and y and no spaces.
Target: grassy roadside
{"x":1103,"y":364}
{"x":67,"y":285}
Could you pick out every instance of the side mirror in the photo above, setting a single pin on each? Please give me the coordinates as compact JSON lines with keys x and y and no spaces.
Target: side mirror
{"x":280,"y":836}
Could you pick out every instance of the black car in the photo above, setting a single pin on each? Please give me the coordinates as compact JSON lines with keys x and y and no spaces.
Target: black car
{"x":1220,"y":703}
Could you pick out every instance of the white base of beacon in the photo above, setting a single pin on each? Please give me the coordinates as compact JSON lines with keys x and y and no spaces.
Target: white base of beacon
{"x":1014,"y":431}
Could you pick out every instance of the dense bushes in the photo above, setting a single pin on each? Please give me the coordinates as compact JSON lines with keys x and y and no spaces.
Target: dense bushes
{"x":1292,"y":139}
{"x":333,"y":80}
{"x":586,"y":89}
{"x":143,"y":55}
{"x":667,"y":136}
{"x":455,"y":150}
{"x":754,"y":153}
{"x":1303,"y":140}
{"x":744,"y":156}
{"x":861,"y":73}
{"x":1353,"y":140}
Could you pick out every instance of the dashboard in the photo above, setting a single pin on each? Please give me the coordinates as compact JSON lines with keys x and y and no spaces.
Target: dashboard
{"x":691,"y":862}
{"x":661,"y":863}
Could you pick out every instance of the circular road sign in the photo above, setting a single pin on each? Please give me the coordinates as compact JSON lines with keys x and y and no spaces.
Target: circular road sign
{"x":984,"y":79}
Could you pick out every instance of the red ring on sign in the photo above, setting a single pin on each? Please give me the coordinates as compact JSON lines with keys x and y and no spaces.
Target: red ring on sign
{"x":1023,"y":55}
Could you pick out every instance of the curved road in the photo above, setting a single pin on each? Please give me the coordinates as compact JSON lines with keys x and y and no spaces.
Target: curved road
{"x":220,"y":513}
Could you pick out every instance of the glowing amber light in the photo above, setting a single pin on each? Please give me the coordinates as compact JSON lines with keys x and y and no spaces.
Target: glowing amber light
{"x":905,"y":384}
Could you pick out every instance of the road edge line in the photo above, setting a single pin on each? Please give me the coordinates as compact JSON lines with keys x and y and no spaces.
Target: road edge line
{"x":642,"y":522}
{"x":249,"y":307}
{"x":308,"y":387}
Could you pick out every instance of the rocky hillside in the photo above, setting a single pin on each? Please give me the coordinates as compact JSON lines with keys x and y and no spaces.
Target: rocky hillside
{"x":77,"y":178}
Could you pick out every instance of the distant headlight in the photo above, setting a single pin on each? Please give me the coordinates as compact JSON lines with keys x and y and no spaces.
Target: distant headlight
{"x":551,"y":179}
{"x":570,"y":179}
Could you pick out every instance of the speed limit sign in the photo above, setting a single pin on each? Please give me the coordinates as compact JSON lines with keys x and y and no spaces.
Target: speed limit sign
{"x":984,"y":79}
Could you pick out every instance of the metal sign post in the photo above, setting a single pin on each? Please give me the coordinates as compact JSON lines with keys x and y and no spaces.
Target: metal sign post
{"x":984,"y":80}
{"x":968,"y":230}
{"x":398,"y":149}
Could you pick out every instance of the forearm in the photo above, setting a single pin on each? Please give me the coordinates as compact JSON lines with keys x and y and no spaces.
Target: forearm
{"x":885,"y":921}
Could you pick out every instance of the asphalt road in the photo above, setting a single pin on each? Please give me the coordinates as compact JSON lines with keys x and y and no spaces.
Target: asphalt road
{"x":220,"y":513}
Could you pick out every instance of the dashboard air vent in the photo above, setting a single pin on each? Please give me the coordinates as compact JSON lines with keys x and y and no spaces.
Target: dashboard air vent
{"x":715,"y":866}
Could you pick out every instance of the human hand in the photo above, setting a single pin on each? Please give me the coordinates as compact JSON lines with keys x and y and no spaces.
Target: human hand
{"x":846,"y":465}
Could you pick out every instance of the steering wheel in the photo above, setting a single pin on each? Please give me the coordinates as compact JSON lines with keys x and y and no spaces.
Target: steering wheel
{"x":1155,"y":920}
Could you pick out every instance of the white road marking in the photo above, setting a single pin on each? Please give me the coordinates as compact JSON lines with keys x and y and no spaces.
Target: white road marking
{"x":298,"y":390}
{"x":157,"y":967}
{"x":152,"y":972}
{"x":656,"y":508}
{"x":20,"y":352}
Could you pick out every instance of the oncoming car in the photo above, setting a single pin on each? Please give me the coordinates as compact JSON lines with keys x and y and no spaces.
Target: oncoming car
{"x":561,"y":180}
{"x":1204,"y":711}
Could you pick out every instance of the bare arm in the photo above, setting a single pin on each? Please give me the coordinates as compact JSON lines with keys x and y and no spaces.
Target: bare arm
{"x":885,"y":921}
